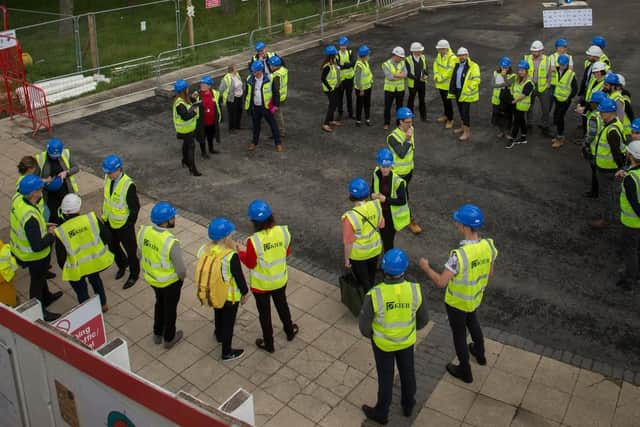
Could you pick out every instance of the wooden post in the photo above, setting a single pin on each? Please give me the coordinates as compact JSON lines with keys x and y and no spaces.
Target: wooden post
{"x":190,"y":24}
{"x":331,"y":7}
{"x":267,"y":11}
{"x":93,"y":45}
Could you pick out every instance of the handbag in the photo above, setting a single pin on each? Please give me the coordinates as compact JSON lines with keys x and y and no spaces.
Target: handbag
{"x":351,"y":293}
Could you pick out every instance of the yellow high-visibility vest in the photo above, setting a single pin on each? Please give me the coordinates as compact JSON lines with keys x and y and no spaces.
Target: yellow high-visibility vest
{"x":516,"y":90}
{"x":115,"y":210}
{"x":368,"y":243}
{"x":233,"y":292}
{"x":271,"y":246}
{"x":402,"y":165}
{"x":183,"y":126}
{"x":41,"y":159}
{"x":563,"y":86}
{"x":628,"y":216}
{"x":400,"y":215}
{"x":443,"y":69}
{"x":543,"y":71}
{"x":393,"y":68}
{"x":604,"y":157}
{"x":155,"y":247}
{"x":21,"y":212}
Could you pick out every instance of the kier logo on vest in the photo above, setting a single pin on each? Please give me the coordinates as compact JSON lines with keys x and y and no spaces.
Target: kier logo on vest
{"x":390,"y":305}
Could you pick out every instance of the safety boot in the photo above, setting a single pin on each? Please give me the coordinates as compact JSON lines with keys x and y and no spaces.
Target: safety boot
{"x":466,"y":133}
{"x":415,"y":228}
{"x":441,"y":119}
{"x":448,"y":124}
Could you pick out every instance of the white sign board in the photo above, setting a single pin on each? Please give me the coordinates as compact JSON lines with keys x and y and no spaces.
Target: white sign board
{"x":85,"y":322}
{"x":9,"y":404}
{"x":567,"y":17}
{"x":7,"y":42}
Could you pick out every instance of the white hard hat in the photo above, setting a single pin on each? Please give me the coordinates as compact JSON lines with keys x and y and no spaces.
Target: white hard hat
{"x":417,"y":47}
{"x":462,"y":51}
{"x":443,"y":44}
{"x":598,"y":66}
{"x":594,"y":51}
{"x":398,"y":51}
{"x":634,"y":149}
{"x":71,"y":204}
{"x":537,"y":46}
{"x":623,"y":81}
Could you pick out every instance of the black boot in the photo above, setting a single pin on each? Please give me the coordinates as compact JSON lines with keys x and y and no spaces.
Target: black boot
{"x":203,"y":150}
{"x":460,"y":373}
{"x":194,"y":171}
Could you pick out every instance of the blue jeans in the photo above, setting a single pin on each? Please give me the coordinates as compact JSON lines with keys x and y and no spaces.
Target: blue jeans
{"x":82,"y":292}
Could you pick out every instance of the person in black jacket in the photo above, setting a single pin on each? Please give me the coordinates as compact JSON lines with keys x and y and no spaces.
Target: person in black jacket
{"x":209,"y":116}
{"x":268,"y":92}
{"x":185,"y":117}
{"x":561,"y":103}
{"x":346,"y":62}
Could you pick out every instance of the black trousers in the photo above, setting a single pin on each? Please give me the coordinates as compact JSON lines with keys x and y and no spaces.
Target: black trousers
{"x":363,"y":102}
{"x":559,"y":113}
{"x":502,"y":118}
{"x":332,"y":97}
{"x":447,"y":104}
{"x":630,"y":245}
{"x":595,"y":186}
{"x":460,"y":321}
{"x":258,"y":112}
{"x":407,"y":180}
{"x":125,"y":237}
{"x":385,"y":362}
{"x":210,"y":132}
{"x":82,"y":291}
{"x":388,"y":233}
{"x":38,"y":287}
{"x":53,"y":199}
{"x":464,"y":108}
{"x":365,"y":272}
{"x":420,"y":89}
{"x":224,"y":321}
{"x":263,"y":304}
{"x":188,"y":150}
{"x":234,"y":110}
{"x":389,"y":98}
{"x":166,"y":310}
{"x":346,"y":92}
{"x":519,"y":123}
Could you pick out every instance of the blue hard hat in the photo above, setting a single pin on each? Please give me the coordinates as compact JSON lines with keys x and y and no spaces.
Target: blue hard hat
{"x":207,"y":80}
{"x":260,"y":46}
{"x":612,"y":79}
{"x":180,"y":85}
{"x":257,"y":66}
{"x":384,"y":158}
{"x":111,"y":163}
{"x":364,"y":50}
{"x":523,"y":65}
{"x":54,"y":147}
{"x":635,"y":125}
{"x":358,"y":188}
{"x":395,"y":262}
{"x":607,"y":105}
{"x":259,"y":211}
{"x":599,"y":41}
{"x":219,"y":228}
{"x":275,"y":61}
{"x":343,"y":41}
{"x":561,"y":43}
{"x":404,"y":113}
{"x":330,"y":50}
{"x":162,"y":212}
{"x":469,"y":215}
{"x":563,"y":60}
{"x":597,"y":97}
{"x":29,"y":184}
{"x":54,"y":185}
{"x":505,"y":62}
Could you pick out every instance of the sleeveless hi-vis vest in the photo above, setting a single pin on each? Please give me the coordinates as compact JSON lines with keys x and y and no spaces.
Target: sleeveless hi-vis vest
{"x":604,"y":157}
{"x":593,"y":86}
{"x":155,"y":247}
{"x":344,"y":57}
{"x":267,"y":94}
{"x":283,"y":74}
{"x":626,"y":122}
{"x":443,"y":69}
{"x":402,"y":165}
{"x":8,"y":265}
{"x":466,"y":288}
{"x":115,"y":210}
{"x":368,"y":243}
{"x":628,"y":216}
{"x":332,"y":77}
{"x":563,"y":86}
{"x":516,"y":90}
{"x":21,"y":212}
{"x":409,"y":61}
{"x":183,"y":126}
{"x":543,"y":71}
{"x":86,"y":253}
{"x":555,"y":70}
{"x":41,"y":158}
{"x":271,"y":246}
{"x":366,"y":77}
{"x":400,"y":215}
{"x":393,"y":85}
{"x":395,"y":307}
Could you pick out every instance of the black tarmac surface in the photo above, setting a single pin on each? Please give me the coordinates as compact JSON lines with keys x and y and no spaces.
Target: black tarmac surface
{"x":554,"y":278}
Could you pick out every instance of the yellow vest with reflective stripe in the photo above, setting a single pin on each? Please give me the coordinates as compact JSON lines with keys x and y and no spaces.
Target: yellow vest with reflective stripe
{"x":40,"y":203}
{"x":21,"y":212}
{"x":516,"y":90}
{"x":155,"y":247}
{"x":563,"y":86}
{"x":555,"y":70}
{"x":628,"y":216}
{"x":183,"y":126}
{"x":409,"y":61}
{"x":344,"y":57}
{"x":86,"y":253}
{"x":115,"y":210}
{"x":393,"y":85}
{"x":443,"y":69}
{"x":395,"y":307}
{"x":227,"y":79}
{"x":400,"y":215}
{"x":594,"y":125}
{"x":233,"y":292}
{"x":332,"y":77}
{"x":402,"y":165}
{"x":8,"y":265}
{"x":604,"y":59}
{"x":543,"y":71}
{"x":470,"y":91}
{"x":626,"y":122}
{"x":271,"y":246}
{"x":283,"y":74}
{"x":604,"y":157}
{"x":265,"y":89}
{"x":593,"y":86}
{"x":42,"y":158}
{"x":366,"y":76}
{"x":368,"y":243}
{"x":466,"y":288}
{"x":495,"y":94}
